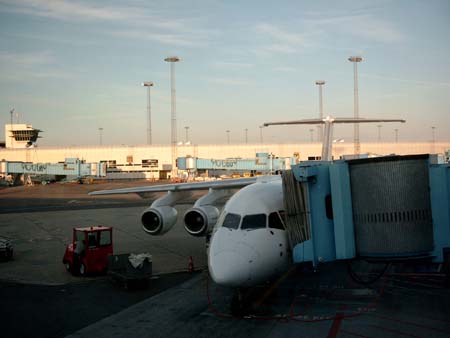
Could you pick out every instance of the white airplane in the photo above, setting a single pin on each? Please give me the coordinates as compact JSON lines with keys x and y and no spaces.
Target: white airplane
{"x":249,"y":243}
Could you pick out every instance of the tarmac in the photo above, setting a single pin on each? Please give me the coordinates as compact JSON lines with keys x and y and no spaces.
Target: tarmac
{"x":302,"y":303}
{"x":40,"y":236}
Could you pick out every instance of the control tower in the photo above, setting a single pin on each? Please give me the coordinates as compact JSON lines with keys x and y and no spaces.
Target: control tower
{"x":20,"y":136}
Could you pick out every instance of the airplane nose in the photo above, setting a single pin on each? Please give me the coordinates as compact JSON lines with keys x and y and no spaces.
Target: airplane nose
{"x":231,"y":266}
{"x":227,"y":269}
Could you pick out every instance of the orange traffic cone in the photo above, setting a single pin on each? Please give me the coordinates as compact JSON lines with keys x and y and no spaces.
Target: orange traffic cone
{"x":191,"y":264}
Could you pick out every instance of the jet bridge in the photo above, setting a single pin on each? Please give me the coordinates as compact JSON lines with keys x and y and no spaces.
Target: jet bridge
{"x":72,"y":167}
{"x":386,"y":208}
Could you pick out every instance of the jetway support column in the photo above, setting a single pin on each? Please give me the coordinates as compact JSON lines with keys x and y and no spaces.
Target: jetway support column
{"x":440,"y":208}
{"x":344,"y":230}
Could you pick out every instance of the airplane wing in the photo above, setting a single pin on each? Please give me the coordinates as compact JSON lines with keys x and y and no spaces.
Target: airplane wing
{"x":161,"y":216}
{"x":220,"y":184}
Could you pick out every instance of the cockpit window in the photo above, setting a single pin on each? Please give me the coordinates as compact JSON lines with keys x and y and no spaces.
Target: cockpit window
{"x":254,"y":221}
{"x":275,"y":221}
{"x":232,"y":221}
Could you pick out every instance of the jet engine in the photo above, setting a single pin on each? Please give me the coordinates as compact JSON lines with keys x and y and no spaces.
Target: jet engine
{"x":158,"y":220}
{"x":199,"y":220}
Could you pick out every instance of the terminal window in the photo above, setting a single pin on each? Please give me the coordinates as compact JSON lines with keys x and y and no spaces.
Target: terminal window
{"x":149,"y":163}
{"x":110,"y":163}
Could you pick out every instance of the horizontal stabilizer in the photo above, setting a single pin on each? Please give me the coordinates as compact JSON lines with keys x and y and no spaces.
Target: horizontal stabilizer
{"x":332,"y":120}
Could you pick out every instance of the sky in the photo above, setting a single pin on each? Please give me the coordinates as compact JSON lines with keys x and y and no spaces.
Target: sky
{"x":72,"y":67}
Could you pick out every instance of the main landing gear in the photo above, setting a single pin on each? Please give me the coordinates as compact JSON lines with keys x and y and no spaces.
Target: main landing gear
{"x":241,"y":303}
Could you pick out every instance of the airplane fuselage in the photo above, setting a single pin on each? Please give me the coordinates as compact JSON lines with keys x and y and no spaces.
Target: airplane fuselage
{"x":249,"y":244}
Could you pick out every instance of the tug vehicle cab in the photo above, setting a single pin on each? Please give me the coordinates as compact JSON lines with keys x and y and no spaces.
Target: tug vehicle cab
{"x":89,"y":250}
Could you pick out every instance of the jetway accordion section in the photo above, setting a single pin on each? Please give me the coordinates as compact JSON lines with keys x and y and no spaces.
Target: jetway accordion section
{"x":296,"y":209}
{"x":391,"y":206}
{"x":384,"y":208}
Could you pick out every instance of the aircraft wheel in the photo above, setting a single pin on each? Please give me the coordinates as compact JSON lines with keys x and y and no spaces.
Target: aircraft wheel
{"x":82,"y":269}
{"x":239,"y":304}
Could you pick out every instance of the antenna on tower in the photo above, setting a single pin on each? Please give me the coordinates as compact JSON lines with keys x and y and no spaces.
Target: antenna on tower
{"x":12,"y":114}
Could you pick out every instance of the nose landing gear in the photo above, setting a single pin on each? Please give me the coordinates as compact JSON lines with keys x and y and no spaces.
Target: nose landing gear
{"x":241,"y":304}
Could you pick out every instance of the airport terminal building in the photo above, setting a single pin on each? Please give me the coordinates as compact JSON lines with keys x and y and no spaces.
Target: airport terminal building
{"x":155,"y":161}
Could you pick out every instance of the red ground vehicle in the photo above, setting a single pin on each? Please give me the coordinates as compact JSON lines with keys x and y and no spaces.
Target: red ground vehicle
{"x":89,"y":250}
